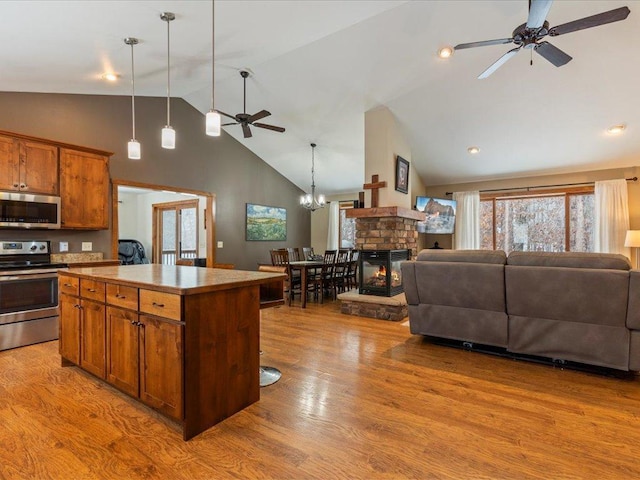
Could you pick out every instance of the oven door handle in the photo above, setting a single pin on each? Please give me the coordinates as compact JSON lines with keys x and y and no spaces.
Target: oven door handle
{"x":27,"y":276}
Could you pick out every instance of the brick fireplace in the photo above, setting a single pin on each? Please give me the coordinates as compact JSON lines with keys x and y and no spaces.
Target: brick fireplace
{"x":382,"y":228}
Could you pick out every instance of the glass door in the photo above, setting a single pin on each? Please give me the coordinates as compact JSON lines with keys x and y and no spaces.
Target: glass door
{"x":175,"y":231}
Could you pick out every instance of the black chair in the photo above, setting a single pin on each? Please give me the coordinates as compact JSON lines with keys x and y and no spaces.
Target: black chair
{"x":352,"y":272}
{"x":340,"y":270}
{"x":131,"y":252}
{"x":308,"y":252}
{"x":321,"y":280}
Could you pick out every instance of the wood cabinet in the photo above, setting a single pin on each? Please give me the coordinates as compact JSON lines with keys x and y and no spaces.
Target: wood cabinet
{"x":106,"y":335}
{"x":84,"y":190}
{"x":28,"y":166}
{"x":183,"y":340}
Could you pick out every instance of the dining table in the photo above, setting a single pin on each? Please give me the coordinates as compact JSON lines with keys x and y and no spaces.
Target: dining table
{"x":304,"y":266}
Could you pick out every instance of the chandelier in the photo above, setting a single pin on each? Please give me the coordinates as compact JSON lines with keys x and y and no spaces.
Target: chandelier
{"x":309,"y":200}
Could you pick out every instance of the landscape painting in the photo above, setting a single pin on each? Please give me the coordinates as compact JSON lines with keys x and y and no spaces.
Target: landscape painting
{"x":266,"y":223}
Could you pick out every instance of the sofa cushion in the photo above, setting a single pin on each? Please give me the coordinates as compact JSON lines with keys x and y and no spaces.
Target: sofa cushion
{"x":572,"y":294}
{"x":613,"y":261}
{"x":467,"y":256}
{"x":466,"y":285}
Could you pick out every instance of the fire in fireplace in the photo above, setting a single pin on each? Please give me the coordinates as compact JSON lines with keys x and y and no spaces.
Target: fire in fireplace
{"x":380,"y":272}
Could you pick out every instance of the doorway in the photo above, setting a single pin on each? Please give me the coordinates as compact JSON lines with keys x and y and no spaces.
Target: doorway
{"x":199,"y":243}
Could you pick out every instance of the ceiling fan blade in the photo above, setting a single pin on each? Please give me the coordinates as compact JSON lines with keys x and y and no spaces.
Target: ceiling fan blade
{"x":246,"y":130}
{"x":269,"y":127}
{"x":592,"y":21}
{"x":499,"y":41}
{"x":538,"y":10}
{"x":227,"y":124}
{"x":227,"y":115}
{"x":553,"y":54}
{"x":501,"y":61}
{"x":258,"y":116}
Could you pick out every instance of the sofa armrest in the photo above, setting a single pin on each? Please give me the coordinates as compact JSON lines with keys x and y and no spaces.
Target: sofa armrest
{"x":409,"y":282}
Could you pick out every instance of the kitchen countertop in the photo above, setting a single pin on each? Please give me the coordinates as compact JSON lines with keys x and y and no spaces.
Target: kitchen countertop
{"x":183,"y":280}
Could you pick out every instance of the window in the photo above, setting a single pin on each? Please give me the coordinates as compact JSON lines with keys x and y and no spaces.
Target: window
{"x":347,"y":225}
{"x":554,"y":221}
{"x":175,"y":231}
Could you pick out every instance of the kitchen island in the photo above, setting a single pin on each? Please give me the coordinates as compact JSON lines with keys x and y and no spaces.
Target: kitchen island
{"x":183,"y":340}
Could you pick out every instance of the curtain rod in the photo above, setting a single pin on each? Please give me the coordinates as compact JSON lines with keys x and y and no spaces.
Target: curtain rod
{"x":632,"y":179}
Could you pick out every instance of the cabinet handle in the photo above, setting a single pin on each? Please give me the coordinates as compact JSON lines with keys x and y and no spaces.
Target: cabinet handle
{"x":15,"y":185}
{"x":68,"y":285}
{"x":120,"y":296}
{"x":160,"y":305}
{"x":77,"y":306}
{"x":92,"y":290}
{"x":136,"y":324}
{"x":23,"y":185}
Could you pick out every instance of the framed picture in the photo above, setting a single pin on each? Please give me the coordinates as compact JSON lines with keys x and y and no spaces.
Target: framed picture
{"x":402,"y":175}
{"x":266,"y":223}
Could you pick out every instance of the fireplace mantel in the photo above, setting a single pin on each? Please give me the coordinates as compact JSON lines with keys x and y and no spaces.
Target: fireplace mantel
{"x":381,"y":212}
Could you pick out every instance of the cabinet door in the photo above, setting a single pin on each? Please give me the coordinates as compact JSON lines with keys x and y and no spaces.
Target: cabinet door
{"x":93,"y":338}
{"x":161,"y":365}
{"x":69,"y":342}
{"x":9,"y":164}
{"x":122,"y":350}
{"x":38,"y":168}
{"x":84,"y":190}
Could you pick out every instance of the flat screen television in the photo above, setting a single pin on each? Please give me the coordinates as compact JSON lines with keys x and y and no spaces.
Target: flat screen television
{"x":440,"y":212}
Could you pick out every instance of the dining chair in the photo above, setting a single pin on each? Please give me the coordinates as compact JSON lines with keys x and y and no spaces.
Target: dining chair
{"x":307,"y":252}
{"x":352,"y":272}
{"x":340,"y":269}
{"x":280,"y":258}
{"x":322,"y":279}
{"x":294,"y":254}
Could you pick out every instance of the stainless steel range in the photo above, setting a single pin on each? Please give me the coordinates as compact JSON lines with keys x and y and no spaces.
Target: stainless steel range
{"x":28,"y":293}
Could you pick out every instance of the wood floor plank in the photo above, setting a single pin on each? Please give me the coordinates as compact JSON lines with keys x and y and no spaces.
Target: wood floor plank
{"x":359,"y":398}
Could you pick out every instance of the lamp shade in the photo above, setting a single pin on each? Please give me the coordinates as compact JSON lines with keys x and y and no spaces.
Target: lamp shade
{"x":133,"y":148}
{"x":632,"y":239}
{"x":213,"y":124}
{"x":168,"y":137}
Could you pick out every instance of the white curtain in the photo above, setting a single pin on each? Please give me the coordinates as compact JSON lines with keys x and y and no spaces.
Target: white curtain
{"x":612,"y":216}
{"x":467,"y":230}
{"x":333,"y":237}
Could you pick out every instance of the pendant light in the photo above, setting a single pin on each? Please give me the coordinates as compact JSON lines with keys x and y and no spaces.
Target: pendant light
{"x":309,"y":200}
{"x":212,"y":122}
{"x":168,"y":133}
{"x":133,"y":147}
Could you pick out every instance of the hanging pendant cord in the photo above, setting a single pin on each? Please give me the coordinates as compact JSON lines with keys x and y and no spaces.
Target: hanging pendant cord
{"x":133,"y":95}
{"x":168,"y":76}
{"x":213,"y":40}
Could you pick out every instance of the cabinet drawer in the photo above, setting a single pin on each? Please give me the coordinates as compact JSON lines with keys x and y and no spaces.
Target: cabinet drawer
{"x":68,"y":285}
{"x":92,"y":289}
{"x":160,"y":303}
{"x":121,"y":296}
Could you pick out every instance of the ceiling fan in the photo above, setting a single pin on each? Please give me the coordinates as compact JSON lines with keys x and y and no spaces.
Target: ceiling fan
{"x":530,"y":34}
{"x":245,"y":119}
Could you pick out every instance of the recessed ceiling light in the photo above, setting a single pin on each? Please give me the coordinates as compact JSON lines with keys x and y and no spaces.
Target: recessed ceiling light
{"x":473,"y":150}
{"x":616,"y":129}
{"x":112,"y":77}
{"x":445,"y":52}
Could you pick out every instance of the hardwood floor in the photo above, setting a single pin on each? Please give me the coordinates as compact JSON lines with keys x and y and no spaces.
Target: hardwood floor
{"x":359,"y":398}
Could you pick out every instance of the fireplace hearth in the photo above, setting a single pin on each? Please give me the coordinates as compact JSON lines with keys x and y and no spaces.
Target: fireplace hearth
{"x":380,"y":272}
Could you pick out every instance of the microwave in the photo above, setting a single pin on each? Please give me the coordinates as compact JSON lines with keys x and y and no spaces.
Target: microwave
{"x":22,"y":210}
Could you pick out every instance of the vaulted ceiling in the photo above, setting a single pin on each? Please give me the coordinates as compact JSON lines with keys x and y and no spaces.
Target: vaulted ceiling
{"x":319,"y":65}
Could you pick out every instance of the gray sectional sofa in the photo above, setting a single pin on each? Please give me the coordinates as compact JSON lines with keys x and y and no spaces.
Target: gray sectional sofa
{"x":569,"y":307}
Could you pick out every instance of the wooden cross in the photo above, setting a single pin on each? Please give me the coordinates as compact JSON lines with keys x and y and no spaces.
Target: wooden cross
{"x":374,"y":186}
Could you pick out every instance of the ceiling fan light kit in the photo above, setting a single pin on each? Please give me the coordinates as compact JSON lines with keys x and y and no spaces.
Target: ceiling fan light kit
{"x":531,"y":34}
{"x":168,"y":133}
{"x":473,"y":150}
{"x":445,"y":52}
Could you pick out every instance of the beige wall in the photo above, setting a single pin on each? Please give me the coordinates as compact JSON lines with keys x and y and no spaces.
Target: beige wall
{"x":320,"y":222}
{"x":382,"y":142}
{"x":577,"y":177}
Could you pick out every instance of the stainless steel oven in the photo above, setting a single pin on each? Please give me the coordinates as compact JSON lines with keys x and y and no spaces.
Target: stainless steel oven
{"x":28,"y":294}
